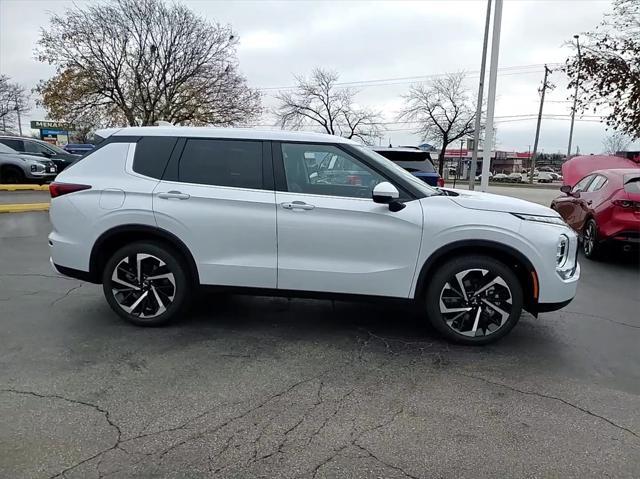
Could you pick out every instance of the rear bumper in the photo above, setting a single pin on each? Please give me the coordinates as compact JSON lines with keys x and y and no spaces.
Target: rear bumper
{"x":72,"y":273}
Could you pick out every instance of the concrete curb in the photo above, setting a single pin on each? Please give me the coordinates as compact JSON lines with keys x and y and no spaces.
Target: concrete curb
{"x":24,"y":187}
{"x":24,"y":208}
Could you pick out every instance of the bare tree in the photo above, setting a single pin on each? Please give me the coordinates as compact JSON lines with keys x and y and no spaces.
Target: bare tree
{"x":615,"y":142}
{"x":318,"y":101}
{"x":14,"y":101}
{"x":609,"y":68}
{"x":141,"y":61}
{"x":442,"y":109}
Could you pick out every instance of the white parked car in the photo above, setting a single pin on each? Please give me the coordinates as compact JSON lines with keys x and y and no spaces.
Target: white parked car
{"x":543,"y":177}
{"x":500,"y":177}
{"x":153,"y":213}
{"x":515,"y":177}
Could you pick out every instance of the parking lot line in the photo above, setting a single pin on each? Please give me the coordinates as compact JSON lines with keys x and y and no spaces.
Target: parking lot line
{"x":24,"y":207}
{"x":24,"y":187}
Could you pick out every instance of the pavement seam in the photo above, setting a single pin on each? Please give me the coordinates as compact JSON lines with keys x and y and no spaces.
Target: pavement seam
{"x":555,"y":398}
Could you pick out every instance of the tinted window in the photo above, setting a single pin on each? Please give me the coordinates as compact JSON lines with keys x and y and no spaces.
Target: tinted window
{"x":37,"y":148}
{"x":222,"y":163}
{"x":17,"y":145}
{"x":582,"y":184}
{"x":327,"y":170}
{"x":152,"y":155}
{"x":598,"y":183}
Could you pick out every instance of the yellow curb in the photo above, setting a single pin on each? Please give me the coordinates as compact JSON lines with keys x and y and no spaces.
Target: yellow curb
{"x":24,"y":208}
{"x":24,"y":187}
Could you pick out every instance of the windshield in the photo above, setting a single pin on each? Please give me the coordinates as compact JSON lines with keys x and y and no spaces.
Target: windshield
{"x":6,"y":149}
{"x":416,"y":182}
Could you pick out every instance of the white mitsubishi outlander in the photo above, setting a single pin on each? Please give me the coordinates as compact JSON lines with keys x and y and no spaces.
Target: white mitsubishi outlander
{"x":155,"y":212}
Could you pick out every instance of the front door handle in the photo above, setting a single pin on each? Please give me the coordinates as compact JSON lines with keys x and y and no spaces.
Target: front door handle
{"x":174,"y":195}
{"x":589,"y":202}
{"x":297,"y":205}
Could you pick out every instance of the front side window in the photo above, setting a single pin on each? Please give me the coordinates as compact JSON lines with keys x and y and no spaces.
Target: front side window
{"x":596,"y":184}
{"x":236,"y":163}
{"x":37,"y":148}
{"x":582,"y":184}
{"x":327,"y":170}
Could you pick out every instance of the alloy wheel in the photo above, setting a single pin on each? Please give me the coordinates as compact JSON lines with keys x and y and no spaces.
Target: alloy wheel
{"x":589,"y":239}
{"x":475,"y":302}
{"x":143,"y":285}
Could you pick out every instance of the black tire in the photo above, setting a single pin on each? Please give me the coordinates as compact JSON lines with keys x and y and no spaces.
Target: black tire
{"x":12,"y":175}
{"x":174,"y":290}
{"x":491,"y":325}
{"x":591,"y":246}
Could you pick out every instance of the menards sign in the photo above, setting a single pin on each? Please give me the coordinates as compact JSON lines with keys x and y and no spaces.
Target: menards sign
{"x":53,"y":125}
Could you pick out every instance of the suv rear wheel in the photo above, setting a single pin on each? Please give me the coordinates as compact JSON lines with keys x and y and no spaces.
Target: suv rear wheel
{"x":146,"y":283}
{"x":474,"y":300}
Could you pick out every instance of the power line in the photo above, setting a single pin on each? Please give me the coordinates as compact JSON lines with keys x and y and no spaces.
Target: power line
{"x":505,"y":71}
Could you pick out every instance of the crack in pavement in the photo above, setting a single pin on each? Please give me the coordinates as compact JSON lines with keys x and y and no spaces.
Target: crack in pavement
{"x":555,"y":398}
{"x":69,"y":291}
{"x":79,"y":402}
{"x":38,"y":275}
{"x":595,"y":316}
{"x":390,"y":466}
{"x":354,"y":442}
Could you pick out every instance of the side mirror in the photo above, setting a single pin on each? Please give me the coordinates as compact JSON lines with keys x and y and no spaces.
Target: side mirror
{"x":47,"y":154}
{"x":566,"y":189}
{"x":387,"y":194}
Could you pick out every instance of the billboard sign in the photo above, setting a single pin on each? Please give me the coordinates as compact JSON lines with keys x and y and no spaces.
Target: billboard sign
{"x":53,"y":125}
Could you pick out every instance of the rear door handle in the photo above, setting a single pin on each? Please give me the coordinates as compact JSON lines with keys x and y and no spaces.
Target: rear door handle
{"x":589,"y":202}
{"x":297,"y":205}
{"x":174,"y":195}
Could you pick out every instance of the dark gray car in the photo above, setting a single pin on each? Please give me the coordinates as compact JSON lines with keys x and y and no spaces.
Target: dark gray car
{"x":35,"y":147}
{"x":20,"y":168}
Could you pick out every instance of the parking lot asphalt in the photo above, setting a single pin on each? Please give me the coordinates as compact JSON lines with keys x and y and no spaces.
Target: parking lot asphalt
{"x":263,"y":387}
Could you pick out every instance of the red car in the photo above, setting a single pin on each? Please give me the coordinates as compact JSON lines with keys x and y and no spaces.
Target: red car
{"x":603,"y":207}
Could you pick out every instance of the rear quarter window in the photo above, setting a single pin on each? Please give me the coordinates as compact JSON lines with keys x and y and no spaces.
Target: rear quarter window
{"x":152,"y":155}
{"x":631,"y":183}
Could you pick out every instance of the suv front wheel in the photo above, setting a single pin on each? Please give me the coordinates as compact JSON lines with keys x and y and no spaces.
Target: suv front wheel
{"x":146,"y":283}
{"x":474,"y":299}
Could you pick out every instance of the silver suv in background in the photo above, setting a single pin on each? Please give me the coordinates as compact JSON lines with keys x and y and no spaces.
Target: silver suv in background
{"x":20,"y":168}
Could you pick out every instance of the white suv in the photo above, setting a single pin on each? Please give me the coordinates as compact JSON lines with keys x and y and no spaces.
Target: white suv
{"x":154,"y":212}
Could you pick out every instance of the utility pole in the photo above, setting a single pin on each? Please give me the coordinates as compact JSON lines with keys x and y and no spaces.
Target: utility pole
{"x":476,"y":130}
{"x":491,"y":100}
{"x":19,"y":122}
{"x":575,"y":96}
{"x":545,"y":85}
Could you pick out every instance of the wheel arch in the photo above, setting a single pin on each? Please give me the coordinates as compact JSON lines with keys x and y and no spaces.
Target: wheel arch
{"x":518,"y":262}
{"x":113,"y":239}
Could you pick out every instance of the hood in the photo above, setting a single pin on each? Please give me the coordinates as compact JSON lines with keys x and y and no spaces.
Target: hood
{"x":477,"y":200}
{"x":39,"y":159}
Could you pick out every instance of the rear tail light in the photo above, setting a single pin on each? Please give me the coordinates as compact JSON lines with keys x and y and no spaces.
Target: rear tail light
{"x":59,"y":189}
{"x":627,"y":204}
{"x":440,"y":182}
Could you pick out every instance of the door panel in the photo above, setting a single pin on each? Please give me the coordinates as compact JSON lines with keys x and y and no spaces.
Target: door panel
{"x":347,"y":245}
{"x":230,"y":230}
{"x":332,"y":237}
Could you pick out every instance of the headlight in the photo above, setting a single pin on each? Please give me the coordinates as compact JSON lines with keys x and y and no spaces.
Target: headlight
{"x":562,"y":251}
{"x":552,"y":220}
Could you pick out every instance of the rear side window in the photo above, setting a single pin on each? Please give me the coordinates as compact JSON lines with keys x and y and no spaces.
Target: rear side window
{"x":235,"y":163}
{"x":17,"y":145}
{"x":152,"y":155}
{"x":631,"y":183}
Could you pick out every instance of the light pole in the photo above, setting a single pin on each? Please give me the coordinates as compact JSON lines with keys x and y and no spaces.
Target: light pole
{"x":575,"y":96}
{"x":491,"y":97}
{"x":476,"y":129}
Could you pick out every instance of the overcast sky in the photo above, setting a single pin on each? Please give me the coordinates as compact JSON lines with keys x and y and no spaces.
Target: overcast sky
{"x":369,"y":40}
